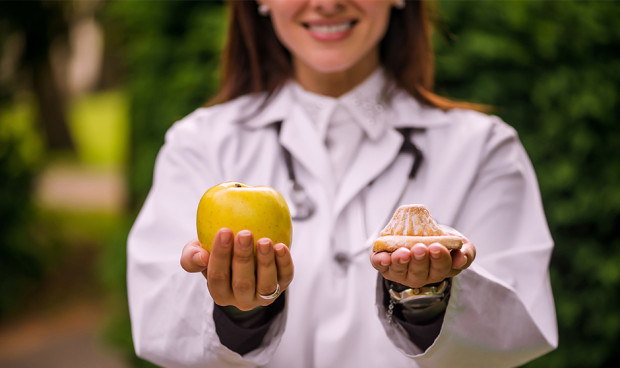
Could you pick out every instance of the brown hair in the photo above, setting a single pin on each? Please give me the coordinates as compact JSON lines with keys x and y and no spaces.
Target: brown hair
{"x":254,"y":60}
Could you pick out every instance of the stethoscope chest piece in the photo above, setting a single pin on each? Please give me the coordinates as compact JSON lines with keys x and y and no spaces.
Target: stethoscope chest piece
{"x":303,"y":205}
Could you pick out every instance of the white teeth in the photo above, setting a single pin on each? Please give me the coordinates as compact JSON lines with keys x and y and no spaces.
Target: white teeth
{"x":332,"y":28}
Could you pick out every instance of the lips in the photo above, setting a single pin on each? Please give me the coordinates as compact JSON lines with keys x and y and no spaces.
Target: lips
{"x":330,"y":28}
{"x":332,"y":31}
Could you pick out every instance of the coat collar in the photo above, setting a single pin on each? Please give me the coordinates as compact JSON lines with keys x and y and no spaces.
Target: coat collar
{"x":261,"y":110}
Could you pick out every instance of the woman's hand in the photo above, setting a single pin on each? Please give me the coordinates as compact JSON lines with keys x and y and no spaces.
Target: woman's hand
{"x":234,"y":275}
{"x":423,"y":265}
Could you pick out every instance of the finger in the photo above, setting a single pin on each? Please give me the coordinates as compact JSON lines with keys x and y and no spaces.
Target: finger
{"x":194,"y":258}
{"x":470,"y":251}
{"x":218,"y":272}
{"x":381,"y":261}
{"x":266,"y":271}
{"x":419,"y":265}
{"x":243,"y":271}
{"x":460,"y":262}
{"x":459,"y":259}
{"x":285,"y":266}
{"x":400,"y":264}
{"x":462,"y":258}
{"x":440,"y":262}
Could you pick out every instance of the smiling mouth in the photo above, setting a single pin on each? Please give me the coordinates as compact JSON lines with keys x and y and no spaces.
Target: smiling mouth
{"x":330,"y":28}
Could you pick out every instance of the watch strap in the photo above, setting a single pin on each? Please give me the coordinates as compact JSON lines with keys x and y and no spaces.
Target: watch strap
{"x":417,"y":305}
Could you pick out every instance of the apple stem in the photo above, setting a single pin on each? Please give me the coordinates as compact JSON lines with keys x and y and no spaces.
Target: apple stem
{"x":238,"y":185}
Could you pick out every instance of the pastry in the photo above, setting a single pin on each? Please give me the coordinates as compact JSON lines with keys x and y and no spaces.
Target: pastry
{"x":410,"y":225}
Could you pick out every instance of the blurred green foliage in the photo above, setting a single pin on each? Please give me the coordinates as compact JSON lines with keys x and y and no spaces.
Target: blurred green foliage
{"x":99,"y":123}
{"x":43,"y":247}
{"x":171,"y":54}
{"x":171,"y":50}
{"x":20,"y":267}
{"x":550,"y":68}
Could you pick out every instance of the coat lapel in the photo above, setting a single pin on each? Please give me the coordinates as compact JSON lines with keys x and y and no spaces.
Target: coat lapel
{"x":372,"y":160}
{"x":301,"y":139}
{"x":385,"y":194}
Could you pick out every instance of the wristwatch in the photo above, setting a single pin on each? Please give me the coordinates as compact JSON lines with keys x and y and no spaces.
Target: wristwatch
{"x":418,"y":305}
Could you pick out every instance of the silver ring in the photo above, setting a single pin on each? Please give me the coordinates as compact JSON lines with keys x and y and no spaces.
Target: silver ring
{"x":272,"y":296}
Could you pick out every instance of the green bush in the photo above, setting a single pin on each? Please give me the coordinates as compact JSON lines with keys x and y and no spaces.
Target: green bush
{"x":22,"y":257}
{"x":551,"y":69}
{"x":171,"y":50}
{"x":21,"y":268}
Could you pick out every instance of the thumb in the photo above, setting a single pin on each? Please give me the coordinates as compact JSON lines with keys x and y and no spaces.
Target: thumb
{"x":194,"y":258}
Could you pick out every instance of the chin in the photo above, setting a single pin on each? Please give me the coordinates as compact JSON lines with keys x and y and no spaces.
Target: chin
{"x":328,"y":65}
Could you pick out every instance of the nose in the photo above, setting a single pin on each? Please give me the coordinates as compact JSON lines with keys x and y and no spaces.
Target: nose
{"x":328,"y":7}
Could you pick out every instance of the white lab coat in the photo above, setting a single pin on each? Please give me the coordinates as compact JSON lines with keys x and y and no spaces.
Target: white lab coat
{"x":475,"y":177}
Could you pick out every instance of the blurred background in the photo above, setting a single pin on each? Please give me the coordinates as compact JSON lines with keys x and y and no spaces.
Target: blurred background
{"x":88,"y":89}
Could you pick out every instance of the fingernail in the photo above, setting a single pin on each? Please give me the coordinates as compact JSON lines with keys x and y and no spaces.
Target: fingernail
{"x":279,"y":249}
{"x":199,"y":260}
{"x":245,"y":240}
{"x":419,"y":254}
{"x":263,"y":246}
{"x":435,"y":253}
{"x":225,"y":238}
{"x":463,"y":264}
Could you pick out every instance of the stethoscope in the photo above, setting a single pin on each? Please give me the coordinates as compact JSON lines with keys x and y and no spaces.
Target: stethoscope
{"x":304,"y":206}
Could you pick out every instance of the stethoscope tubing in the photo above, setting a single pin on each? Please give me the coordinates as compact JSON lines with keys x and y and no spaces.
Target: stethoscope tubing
{"x":304,"y":206}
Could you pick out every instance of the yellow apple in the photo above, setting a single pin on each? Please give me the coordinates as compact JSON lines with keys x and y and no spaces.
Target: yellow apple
{"x":238,"y":206}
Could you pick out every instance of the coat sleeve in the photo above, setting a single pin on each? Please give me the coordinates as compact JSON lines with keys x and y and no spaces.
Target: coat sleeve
{"x":501,"y":311}
{"x":171,"y":310}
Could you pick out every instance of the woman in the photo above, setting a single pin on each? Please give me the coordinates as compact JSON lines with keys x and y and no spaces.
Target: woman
{"x":339,"y":87}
